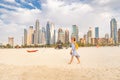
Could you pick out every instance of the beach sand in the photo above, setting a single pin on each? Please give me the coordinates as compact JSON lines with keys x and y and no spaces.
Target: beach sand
{"x":101,"y":63}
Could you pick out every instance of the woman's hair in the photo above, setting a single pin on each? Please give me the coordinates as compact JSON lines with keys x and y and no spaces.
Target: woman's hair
{"x":73,"y":38}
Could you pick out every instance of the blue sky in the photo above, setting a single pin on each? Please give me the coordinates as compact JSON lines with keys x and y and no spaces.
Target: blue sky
{"x":29,"y":4}
{"x":15,"y":15}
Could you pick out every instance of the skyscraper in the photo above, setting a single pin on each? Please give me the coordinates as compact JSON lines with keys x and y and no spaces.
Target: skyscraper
{"x":33,"y":37}
{"x":40,"y":36}
{"x":85,"y":38}
{"x":30,"y":35}
{"x":96,"y":32}
{"x":36,"y":33}
{"x":75,"y":32}
{"x":54,"y":36}
{"x":50,"y":33}
{"x":11,"y":41}
{"x":61,"y":35}
{"x":119,"y":36}
{"x":25,"y":37}
{"x":43,"y":37}
{"x":113,"y":27}
{"x":89,"y":35}
{"x":66,"y":36}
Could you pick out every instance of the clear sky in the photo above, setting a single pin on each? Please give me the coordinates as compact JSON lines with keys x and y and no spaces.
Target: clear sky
{"x":15,"y":15}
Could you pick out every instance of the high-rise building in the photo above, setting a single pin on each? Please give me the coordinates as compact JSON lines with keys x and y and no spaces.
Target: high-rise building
{"x":89,"y":35}
{"x":113,"y":27}
{"x":25,"y":37}
{"x":43,"y":37}
{"x":75,"y":32}
{"x":40,"y":36}
{"x":119,"y":36}
{"x":96,"y":32}
{"x":54,"y":36}
{"x":85,"y":38}
{"x":61,"y":35}
{"x":66,"y":36}
{"x":33,"y":37}
{"x":30,"y":35}
{"x":50,"y":33}
{"x":37,"y":33}
{"x":11,"y":41}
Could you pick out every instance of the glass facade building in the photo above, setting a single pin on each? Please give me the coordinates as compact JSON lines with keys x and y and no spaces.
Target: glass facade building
{"x":113,"y":30}
{"x":96,"y":32}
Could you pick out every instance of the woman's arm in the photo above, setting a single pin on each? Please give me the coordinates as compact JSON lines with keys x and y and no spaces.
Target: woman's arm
{"x":73,"y":47}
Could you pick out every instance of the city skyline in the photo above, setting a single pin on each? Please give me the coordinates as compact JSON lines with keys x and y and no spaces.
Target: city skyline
{"x":15,"y":15}
{"x":47,"y":35}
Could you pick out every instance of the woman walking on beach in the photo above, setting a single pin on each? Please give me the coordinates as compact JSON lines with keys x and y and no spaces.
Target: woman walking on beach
{"x":73,"y":51}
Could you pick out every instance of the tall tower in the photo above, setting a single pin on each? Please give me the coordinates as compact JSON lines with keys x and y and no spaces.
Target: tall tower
{"x":54,"y":36}
{"x":40,"y":36}
{"x":30,"y":36}
{"x":85,"y":38}
{"x":119,"y":36}
{"x":25,"y":37}
{"x":61,"y":35}
{"x":113,"y":27}
{"x":43,"y":37}
{"x":37,"y":32}
{"x":50,"y":33}
{"x":66,"y":36}
{"x":96,"y":32}
{"x":75,"y":32}
{"x":89,"y":35}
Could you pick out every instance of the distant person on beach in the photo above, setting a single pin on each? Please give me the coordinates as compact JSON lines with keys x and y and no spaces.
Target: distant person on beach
{"x":73,"y":51}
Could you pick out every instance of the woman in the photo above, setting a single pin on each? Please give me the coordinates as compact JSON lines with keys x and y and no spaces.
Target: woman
{"x":74,"y":51}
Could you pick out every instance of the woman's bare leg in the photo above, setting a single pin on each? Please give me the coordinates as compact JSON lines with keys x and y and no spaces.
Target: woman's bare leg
{"x":71,"y":60}
{"x":78,"y":59}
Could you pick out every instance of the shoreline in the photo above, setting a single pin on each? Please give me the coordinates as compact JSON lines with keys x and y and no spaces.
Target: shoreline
{"x":63,"y":47}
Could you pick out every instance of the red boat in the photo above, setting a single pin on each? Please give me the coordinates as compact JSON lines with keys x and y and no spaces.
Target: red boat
{"x":32,"y":50}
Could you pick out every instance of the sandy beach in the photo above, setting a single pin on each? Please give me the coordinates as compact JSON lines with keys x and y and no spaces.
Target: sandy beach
{"x":101,"y":63}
